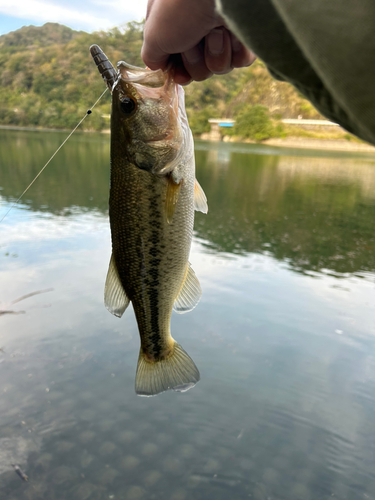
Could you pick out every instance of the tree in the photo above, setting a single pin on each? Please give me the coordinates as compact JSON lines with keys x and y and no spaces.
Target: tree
{"x":253,"y":122}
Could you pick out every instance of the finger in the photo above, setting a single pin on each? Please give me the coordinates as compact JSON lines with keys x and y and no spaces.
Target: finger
{"x":149,"y":8}
{"x":218,"y":51}
{"x":180,"y":75}
{"x":153,"y":52}
{"x":173,"y":27}
{"x":241,"y":55}
{"x":194,"y":63}
{"x":153,"y":58}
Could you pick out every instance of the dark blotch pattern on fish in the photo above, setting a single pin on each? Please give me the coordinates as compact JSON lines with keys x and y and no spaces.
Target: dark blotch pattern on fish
{"x":155,"y":349}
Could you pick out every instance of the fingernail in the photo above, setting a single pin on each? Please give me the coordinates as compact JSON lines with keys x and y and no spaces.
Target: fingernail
{"x":215,"y":41}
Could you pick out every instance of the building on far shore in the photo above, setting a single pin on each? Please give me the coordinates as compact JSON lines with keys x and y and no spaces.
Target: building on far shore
{"x":219,"y":123}
{"x":216,"y":124}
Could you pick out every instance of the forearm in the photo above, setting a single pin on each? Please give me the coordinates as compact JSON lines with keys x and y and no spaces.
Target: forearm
{"x":325,"y":49}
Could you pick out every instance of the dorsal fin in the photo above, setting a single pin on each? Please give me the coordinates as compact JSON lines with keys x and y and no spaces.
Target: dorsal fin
{"x":200,"y":200}
{"x":115,"y":298}
{"x":189,"y":294}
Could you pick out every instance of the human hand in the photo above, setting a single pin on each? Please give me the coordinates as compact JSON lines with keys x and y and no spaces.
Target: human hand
{"x":193,"y":37}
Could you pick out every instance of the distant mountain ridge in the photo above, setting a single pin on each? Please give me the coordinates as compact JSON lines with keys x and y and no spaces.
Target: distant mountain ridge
{"x":48,"y":34}
{"x":48,"y":79}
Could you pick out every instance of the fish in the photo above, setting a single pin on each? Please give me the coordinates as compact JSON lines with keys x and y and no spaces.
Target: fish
{"x":20,"y":472}
{"x":153,"y":196}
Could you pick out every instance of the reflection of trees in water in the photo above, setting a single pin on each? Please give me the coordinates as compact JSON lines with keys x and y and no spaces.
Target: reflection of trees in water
{"x":331,"y":171}
{"x":315,"y":213}
{"x":77,"y":176}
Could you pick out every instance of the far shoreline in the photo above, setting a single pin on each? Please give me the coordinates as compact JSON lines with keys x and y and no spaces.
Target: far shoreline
{"x":302,"y":143}
{"x":287,"y":142}
{"x":325,"y":144}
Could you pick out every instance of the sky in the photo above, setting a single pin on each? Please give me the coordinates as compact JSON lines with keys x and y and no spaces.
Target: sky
{"x":86,"y":15}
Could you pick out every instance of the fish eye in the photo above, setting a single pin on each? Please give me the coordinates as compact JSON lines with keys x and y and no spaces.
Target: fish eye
{"x":127,"y":105}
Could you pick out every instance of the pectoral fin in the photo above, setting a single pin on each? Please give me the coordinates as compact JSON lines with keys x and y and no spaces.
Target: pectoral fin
{"x":189,"y":294}
{"x":115,"y":298}
{"x":173,"y":192}
{"x":200,"y":200}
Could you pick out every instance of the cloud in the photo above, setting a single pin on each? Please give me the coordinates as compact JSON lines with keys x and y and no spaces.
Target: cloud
{"x":46,"y":227}
{"x":89,"y":15}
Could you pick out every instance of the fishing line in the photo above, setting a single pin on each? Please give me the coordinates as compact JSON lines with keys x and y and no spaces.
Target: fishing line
{"x":88,"y":112}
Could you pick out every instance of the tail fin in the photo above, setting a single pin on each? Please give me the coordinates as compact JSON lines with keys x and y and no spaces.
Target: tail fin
{"x":177,"y":372}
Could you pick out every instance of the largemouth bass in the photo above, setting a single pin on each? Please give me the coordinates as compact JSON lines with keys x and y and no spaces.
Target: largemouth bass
{"x":153,"y":195}
{"x":20,"y":472}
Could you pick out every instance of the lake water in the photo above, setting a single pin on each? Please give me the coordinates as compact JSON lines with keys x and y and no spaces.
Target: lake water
{"x":284,"y":335}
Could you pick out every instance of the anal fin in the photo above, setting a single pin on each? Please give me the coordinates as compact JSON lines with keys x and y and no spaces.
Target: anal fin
{"x":115,"y":298}
{"x":189,"y":294}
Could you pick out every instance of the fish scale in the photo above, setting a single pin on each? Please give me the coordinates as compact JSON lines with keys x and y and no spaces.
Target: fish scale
{"x":153,"y":194}
{"x":155,"y":268}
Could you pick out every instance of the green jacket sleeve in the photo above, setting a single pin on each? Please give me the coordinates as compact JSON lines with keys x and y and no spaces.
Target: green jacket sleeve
{"x":325,"y":48}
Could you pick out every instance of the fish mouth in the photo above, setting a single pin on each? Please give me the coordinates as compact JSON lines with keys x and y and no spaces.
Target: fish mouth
{"x":141,"y":76}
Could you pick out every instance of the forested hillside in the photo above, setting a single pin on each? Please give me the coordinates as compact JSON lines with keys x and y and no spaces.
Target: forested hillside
{"x":48,"y":79}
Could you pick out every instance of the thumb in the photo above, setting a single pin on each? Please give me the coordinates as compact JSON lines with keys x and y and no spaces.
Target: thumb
{"x":154,"y":57}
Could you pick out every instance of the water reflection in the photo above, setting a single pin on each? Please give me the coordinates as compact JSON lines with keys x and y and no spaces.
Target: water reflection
{"x":285,"y":407}
{"x":314,"y":214}
{"x":81,"y":167}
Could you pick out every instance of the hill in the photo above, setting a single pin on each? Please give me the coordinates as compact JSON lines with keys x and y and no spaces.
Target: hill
{"x":30,"y":37}
{"x":48,"y":79}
